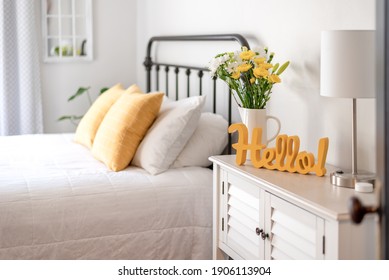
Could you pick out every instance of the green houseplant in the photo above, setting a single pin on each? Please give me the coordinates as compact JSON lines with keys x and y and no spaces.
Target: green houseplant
{"x":74,"y":119}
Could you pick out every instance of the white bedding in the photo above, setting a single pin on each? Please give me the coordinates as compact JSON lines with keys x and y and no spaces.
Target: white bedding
{"x":58,"y":202}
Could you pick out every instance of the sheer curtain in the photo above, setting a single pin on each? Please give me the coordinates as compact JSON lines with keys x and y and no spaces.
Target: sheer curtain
{"x":20,"y":92}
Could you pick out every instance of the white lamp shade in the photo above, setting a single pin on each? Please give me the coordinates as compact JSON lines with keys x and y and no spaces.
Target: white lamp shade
{"x":348,"y":63}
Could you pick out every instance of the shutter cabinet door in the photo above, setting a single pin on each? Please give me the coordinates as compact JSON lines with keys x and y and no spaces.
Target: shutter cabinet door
{"x":244,"y":214}
{"x":293,"y":232}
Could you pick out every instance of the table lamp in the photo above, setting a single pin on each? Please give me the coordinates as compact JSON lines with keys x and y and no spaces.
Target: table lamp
{"x":348,"y":71}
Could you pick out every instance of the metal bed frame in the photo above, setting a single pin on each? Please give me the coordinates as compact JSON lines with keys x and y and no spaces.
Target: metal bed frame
{"x":149,"y":63}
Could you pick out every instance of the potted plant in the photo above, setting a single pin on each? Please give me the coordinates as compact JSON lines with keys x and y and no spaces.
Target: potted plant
{"x":251,"y":75}
{"x":74,"y":119}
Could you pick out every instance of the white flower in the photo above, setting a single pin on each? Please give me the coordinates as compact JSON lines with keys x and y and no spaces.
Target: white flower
{"x":226,"y":57}
{"x":213,"y":65}
{"x":216,"y":62}
{"x":260,"y":51}
{"x":237,"y":57}
{"x":213,"y":72}
{"x":231,"y":67}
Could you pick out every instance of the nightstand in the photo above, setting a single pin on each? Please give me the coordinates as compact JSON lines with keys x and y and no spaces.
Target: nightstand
{"x":266,"y":214}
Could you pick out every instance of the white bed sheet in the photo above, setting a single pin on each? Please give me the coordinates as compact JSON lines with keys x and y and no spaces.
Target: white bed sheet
{"x":58,"y":202}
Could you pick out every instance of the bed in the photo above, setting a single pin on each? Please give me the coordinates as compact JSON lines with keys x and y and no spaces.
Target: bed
{"x":58,"y":202}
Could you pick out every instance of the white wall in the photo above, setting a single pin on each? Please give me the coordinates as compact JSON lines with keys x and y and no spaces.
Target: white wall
{"x":114,"y":35}
{"x":290,"y":28}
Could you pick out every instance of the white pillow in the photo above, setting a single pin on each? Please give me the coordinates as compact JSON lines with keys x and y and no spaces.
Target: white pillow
{"x":169,"y":134}
{"x":210,"y":138}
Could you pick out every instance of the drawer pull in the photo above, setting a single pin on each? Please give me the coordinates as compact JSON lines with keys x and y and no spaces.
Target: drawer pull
{"x":264,"y":235}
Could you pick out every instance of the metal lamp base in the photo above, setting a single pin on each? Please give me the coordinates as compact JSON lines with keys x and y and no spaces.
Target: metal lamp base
{"x":348,"y":180}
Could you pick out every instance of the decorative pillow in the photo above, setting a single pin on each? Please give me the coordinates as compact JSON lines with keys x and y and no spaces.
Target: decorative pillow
{"x":210,"y":138}
{"x":169,"y":134}
{"x":123,"y":128}
{"x":87,"y":128}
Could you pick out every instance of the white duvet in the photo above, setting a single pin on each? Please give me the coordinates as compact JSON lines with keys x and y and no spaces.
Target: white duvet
{"x":58,"y":202}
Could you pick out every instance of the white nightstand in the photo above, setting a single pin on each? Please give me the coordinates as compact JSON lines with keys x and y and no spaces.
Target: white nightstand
{"x":266,"y":214}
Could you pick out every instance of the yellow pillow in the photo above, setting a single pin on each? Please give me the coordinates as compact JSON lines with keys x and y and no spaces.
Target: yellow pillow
{"x":87,"y":128}
{"x":124,"y":127}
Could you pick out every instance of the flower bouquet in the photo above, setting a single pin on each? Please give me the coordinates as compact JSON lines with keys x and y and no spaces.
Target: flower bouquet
{"x":250,"y":74}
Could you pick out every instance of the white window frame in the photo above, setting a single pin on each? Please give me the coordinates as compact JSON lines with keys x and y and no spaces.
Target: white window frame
{"x":48,"y":55}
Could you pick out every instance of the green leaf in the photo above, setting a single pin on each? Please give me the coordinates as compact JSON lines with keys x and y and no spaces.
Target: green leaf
{"x":282,"y":68}
{"x":271,"y":56}
{"x":77,"y":117}
{"x":275,"y":67}
{"x":104,"y":89}
{"x":220,"y":54}
{"x":67,"y":117}
{"x":62,"y":118}
{"x":79,"y":92}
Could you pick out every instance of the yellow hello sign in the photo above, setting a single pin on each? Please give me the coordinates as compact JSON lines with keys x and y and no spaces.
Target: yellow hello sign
{"x":285,"y":156}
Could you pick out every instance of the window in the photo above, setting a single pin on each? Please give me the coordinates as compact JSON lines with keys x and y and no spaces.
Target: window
{"x":67,"y":30}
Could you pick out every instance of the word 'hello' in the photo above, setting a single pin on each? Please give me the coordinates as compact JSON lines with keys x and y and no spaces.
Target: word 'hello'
{"x":285,"y":156}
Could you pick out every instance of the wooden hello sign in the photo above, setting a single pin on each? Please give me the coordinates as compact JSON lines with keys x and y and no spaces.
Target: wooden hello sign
{"x":285,"y":156}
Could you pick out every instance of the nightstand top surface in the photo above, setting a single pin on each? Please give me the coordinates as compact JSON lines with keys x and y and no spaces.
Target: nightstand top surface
{"x":311,"y":192}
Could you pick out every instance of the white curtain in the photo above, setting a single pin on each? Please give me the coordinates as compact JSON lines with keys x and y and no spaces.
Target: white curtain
{"x":20,"y":91}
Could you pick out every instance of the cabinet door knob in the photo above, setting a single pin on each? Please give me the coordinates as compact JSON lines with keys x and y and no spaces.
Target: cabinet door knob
{"x":264,"y":235}
{"x":258,"y":231}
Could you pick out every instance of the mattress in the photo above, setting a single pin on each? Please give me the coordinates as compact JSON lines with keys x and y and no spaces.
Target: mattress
{"x":58,"y":202}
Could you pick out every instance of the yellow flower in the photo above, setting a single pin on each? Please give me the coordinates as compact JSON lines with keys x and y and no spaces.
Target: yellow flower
{"x":273,"y":78}
{"x":252,"y":80}
{"x":259,"y":60}
{"x":246,"y":55}
{"x":260,"y":72}
{"x":266,"y":65}
{"x":235,"y":75}
{"x":244,"y":67}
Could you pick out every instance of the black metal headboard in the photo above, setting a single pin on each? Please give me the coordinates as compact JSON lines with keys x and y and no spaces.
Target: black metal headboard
{"x":149,"y":63}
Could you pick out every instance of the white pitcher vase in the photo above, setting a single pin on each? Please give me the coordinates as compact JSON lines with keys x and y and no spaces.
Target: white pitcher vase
{"x":258,"y":118}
